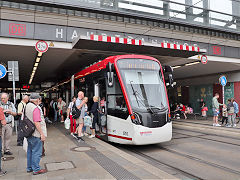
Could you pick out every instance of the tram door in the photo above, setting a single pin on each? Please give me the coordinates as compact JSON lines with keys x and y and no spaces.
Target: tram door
{"x":102,"y":114}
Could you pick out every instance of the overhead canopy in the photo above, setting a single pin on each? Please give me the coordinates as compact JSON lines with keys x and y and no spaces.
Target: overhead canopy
{"x":132,"y":46}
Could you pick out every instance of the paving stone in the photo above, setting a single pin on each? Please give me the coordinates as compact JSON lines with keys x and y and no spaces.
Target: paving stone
{"x":59,"y":166}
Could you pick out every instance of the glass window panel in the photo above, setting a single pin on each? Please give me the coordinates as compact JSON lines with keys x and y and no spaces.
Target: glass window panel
{"x":224,"y":6}
{"x":220,"y":16}
{"x":140,"y":8}
{"x":197,"y":3}
{"x":177,"y":15}
{"x":198,"y":19}
{"x":156,"y":3}
{"x":176,"y":7}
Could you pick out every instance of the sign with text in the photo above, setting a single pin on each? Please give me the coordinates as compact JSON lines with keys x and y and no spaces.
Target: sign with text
{"x":13,"y":69}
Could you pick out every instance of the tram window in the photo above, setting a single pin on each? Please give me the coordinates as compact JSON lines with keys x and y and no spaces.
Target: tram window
{"x":116,"y":103}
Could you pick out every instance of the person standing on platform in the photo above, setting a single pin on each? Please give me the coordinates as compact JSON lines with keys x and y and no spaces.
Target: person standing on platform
{"x":69,"y":115}
{"x":80,"y":104}
{"x":216,"y":110}
{"x":236,"y":111}
{"x":231,"y":115}
{"x":2,"y":123}
{"x":20,"y":110}
{"x":9,"y":113}
{"x":61,"y":105}
{"x":94,"y":110}
{"x":34,"y":151}
{"x":224,"y":114}
{"x":55,"y":109}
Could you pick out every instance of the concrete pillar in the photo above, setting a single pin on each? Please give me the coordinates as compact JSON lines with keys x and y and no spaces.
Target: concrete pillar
{"x":72,"y":86}
{"x":67,"y":96}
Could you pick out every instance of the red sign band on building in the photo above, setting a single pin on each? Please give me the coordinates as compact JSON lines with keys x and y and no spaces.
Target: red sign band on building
{"x":140,"y":42}
{"x":180,"y":47}
{"x":115,"y":39}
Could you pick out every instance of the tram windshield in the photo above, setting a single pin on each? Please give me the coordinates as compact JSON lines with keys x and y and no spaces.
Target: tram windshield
{"x":144,"y":84}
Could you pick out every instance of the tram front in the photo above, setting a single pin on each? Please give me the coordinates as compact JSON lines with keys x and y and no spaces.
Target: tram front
{"x":146,"y":92}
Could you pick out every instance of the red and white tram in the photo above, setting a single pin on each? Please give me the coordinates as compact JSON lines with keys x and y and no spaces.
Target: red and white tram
{"x":137,"y":108}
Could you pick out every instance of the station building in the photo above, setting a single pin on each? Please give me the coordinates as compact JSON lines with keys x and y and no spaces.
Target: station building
{"x":178,"y":33}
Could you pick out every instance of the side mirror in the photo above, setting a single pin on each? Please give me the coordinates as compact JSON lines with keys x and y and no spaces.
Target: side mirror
{"x":170,"y":80}
{"x":168,"y":72}
{"x":110,"y":74}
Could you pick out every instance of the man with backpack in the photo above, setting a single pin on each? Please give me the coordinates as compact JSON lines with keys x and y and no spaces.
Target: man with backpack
{"x":79,"y":104}
{"x":34,"y":151}
{"x":20,"y":109}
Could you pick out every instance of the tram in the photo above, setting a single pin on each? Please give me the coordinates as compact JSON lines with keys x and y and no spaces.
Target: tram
{"x":136,"y":104}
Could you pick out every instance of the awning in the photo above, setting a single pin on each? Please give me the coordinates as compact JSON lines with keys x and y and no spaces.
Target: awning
{"x":134,"y":46}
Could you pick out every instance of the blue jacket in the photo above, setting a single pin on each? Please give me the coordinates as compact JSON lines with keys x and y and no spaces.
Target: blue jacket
{"x":236,"y":109}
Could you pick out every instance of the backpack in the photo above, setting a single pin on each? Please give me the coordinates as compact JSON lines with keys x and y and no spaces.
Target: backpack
{"x":231,"y":110}
{"x":27,"y":127}
{"x":75,"y":112}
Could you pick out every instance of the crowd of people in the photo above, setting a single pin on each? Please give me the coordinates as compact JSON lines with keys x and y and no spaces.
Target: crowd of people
{"x":229,"y":112}
{"x":39,"y":111}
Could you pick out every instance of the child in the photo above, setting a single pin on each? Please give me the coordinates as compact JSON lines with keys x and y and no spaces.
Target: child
{"x":224,"y":114}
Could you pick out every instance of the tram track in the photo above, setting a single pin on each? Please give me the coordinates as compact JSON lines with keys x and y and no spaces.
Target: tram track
{"x":210,"y":134}
{"x":201,"y":137}
{"x":187,"y":156}
{"x":156,"y":161}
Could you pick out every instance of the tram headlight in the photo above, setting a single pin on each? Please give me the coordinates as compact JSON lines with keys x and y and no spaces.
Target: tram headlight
{"x":136,"y":119}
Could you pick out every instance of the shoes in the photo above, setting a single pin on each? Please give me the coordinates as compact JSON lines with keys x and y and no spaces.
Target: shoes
{"x":42,"y":171}
{"x":29,"y":171}
{"x":85,"y":134}
{"x":2,"y":173}
{"x":228,"y":125}
{"x":234,"y":125}
{"x":19,"y":144}
{"x":75,"y":135}
{"x":214,"y":124}
{"x":218,"y":125}
{"x":8,"y":153}
{"x":92,"y":136}
{"x":82,"y":135}
{"x":80,"y":139}
{"x":43,"y":154}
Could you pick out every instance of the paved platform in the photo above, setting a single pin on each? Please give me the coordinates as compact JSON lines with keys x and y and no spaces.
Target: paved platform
{"x":68,"y":159}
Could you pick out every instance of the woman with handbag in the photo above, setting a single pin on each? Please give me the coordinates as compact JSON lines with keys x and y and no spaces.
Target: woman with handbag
{"x":69,"y":115}
{"x":94,"y":110}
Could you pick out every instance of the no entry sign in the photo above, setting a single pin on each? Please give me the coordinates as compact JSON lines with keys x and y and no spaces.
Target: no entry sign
{"x":41,"y":46}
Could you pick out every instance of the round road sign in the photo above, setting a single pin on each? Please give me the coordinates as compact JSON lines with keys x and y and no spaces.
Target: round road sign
{"x":41,"y":46}
{"x":3,"y":71}
{"x":223,"y":80}
{"x":204,"y":59}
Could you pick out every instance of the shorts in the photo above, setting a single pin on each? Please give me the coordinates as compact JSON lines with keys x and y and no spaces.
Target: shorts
{"x":79,"y":120}
{"x":215,"y":112}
